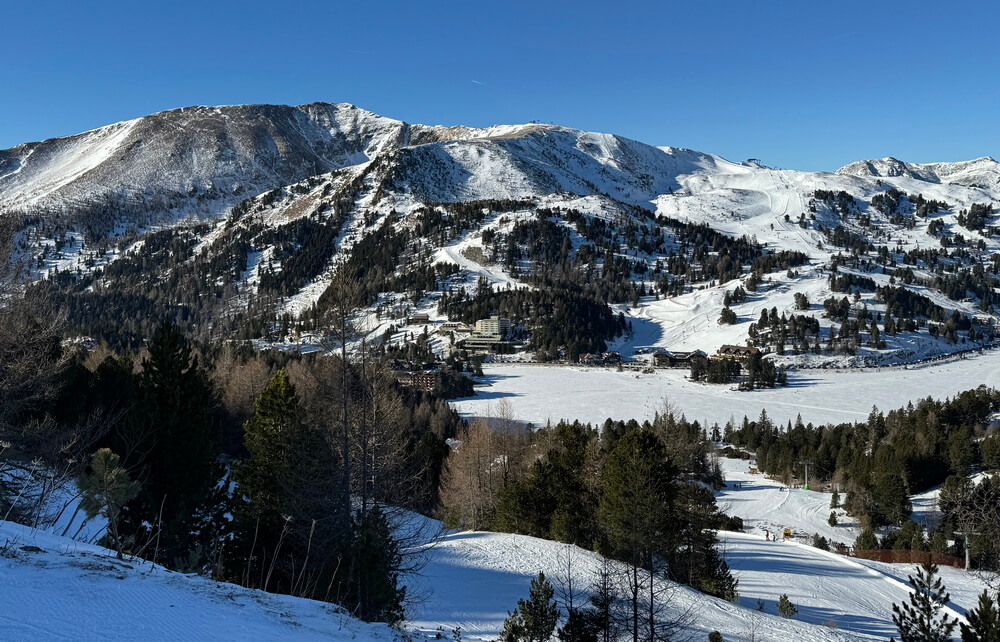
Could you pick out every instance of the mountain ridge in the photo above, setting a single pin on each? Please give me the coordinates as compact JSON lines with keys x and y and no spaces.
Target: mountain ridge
{"x":236,"y":220}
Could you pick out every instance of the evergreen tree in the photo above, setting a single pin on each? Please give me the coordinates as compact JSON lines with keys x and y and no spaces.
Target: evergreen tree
{"x":581,"y":626}
{"x":285,"y":504}
{"x":637,"y":505}
{"x":921,"y":620}
{"x":605,"y":599}
{"x":104,"y":489}
{"x":176,"y":451}
{"x":786,"y":609}
{"x":374,"y":594}
{"x":534,"y":619}
{"x":984,"y":621}
{"x":866,"y":541}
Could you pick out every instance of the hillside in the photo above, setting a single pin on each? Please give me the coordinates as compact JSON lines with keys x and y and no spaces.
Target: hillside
{"x":237,"y":219}
{"x":59,"y":589}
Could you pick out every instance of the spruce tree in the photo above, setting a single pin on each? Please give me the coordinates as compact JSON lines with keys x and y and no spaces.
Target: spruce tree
{"x":984,"y":621}
{"x":921,"y":620}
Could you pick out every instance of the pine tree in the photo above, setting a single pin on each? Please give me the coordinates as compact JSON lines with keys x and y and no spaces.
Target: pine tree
{"x":984,"y":621}
{"x":374,"y":594}
{"x":866,"y":541}
{"x":786,"y":609}
{"x":286,"y":516}
{"x":921,"y":620}
{"x":104,"y":489}
{"x":177,"y":451}
{"x":534,"y":619}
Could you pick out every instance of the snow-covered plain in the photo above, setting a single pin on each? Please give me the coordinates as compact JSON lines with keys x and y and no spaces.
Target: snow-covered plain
{"x":540,"y":393}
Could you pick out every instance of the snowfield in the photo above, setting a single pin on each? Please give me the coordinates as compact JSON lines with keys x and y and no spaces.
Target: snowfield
{"x":543,"y":393}
{"x":473,"y":578}
{"x":58,"y":589}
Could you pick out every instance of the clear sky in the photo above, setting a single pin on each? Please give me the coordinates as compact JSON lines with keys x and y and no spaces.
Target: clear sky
{"x":808,"y":84}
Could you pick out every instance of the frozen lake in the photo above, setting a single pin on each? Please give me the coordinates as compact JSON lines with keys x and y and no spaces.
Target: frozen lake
{"x":542,"y":393}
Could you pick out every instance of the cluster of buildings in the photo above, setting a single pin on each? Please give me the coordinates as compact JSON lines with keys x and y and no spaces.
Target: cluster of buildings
{"x":427,"y":376}
{"x":601,"y":358}
{"x":492,"y":334}
{"x":676,"y":359}
{"x":683,"y":359}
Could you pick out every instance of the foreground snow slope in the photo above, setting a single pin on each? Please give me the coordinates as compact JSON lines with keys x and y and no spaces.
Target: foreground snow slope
{"x":473,"y":578}
{"x":542,"y":393}
{"x":73,"y":591}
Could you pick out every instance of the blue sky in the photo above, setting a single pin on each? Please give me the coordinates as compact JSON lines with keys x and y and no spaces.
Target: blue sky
{"x":806,"y":84}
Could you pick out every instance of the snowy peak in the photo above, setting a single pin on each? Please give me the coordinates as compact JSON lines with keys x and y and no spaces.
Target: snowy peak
{"x":197,"y":154}
{"x":981,"y":172}
{"x":887,"y":167}
{"x":200,"y":160}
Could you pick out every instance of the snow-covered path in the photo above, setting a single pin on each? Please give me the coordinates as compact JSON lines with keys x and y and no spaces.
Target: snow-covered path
{"x":828,"y":589}
{"x":767,"y":505}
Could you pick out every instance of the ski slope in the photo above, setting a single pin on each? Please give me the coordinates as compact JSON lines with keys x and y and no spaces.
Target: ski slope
{"x":542,"y":393}
{"x":473,"y":578}
{"x":768,"y":505}
{"x":829,"y":589}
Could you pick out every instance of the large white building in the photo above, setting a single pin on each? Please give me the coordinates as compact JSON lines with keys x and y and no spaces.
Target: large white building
{"x":494,"y":326}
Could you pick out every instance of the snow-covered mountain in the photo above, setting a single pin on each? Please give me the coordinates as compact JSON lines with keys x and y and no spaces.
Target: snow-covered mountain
{"x":981,"y":172}
{"x":202,"y":159}
{"x":246,"y":212}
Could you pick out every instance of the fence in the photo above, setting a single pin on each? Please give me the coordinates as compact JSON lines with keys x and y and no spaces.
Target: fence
{"x":891,"y":556}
